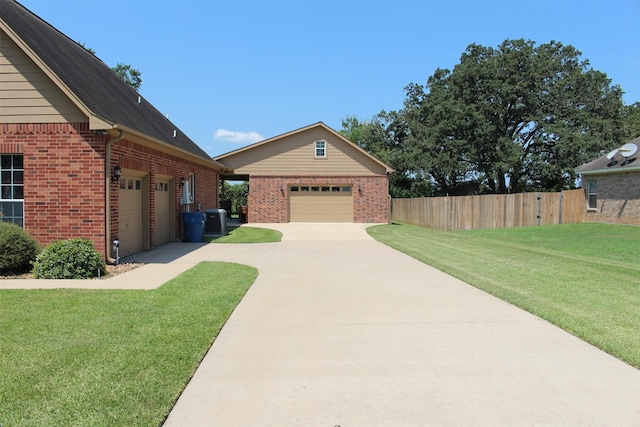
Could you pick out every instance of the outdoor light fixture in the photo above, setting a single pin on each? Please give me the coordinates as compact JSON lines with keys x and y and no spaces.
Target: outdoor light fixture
{"x":117,"y":173}
{"x":182,"y":181}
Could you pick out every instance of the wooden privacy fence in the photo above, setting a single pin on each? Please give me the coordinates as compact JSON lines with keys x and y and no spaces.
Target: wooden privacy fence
{"x":491,"y":211}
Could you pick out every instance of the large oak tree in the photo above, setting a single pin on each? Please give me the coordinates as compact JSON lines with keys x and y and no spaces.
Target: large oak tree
{"x":518,"y":117}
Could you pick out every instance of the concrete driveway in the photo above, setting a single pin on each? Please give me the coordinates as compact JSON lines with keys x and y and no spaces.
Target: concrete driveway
{"x":340,"y":330}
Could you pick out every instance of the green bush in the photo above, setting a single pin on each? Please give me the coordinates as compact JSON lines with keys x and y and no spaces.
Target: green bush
{"x":69,"y":259}
{"x":17,"y":249}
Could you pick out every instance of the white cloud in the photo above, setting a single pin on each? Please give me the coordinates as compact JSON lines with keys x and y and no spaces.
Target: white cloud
{"x":237,"y":137}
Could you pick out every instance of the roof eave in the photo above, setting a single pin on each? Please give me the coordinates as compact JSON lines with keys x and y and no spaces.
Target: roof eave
{"x":607,"y":171}
{"x":151,"y":142}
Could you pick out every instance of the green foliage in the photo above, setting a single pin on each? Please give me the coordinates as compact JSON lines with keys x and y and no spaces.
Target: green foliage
{"x":130,"y":75}
{"x":235,"y":193}
{"x":517,"y":117}
{"x":632,"y":121}
{"x":382,"y":137}
{"x":18,"y":249}
{"x":69,"y":259}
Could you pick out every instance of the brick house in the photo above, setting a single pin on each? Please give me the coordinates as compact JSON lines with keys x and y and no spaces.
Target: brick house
{"x":612,"y":185}
{"x":82,"y":154}
{"x":310,"y":174}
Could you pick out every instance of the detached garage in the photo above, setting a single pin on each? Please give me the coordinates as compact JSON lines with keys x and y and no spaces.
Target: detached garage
{"x":313,"y":174}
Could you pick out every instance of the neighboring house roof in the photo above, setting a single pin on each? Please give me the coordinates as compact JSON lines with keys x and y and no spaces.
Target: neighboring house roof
{"x":614,"y":162}
{"x":319,"y":125}
{"x":108,"y":101}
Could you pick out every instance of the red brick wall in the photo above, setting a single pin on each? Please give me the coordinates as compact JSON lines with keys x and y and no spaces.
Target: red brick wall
{"x":134,"y":156}
{"x":64,"y":179}
{"x":267,"y":203}
{"x":618,"y":198}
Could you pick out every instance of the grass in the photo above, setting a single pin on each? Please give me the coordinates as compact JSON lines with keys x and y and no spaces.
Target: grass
{"x":247,"y":235}
{"x":110,"y":358}
{"x":585,"y":278}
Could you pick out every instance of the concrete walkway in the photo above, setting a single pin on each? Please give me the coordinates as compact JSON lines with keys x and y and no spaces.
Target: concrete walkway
{"x":339,"y":330}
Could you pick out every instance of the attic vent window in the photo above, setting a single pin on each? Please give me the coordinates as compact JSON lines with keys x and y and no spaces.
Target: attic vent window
{"x":321,"y":149}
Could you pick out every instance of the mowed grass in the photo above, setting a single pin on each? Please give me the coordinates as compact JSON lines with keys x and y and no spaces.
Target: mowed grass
{"x":585,"y":278}
{"x":110,"y":358}
{"x":247,"y":235}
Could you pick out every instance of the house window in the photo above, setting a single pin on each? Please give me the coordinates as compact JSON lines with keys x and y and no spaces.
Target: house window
{"x":321,"y":149}
{"x":592,"y":193}
{"x":12,"y":189}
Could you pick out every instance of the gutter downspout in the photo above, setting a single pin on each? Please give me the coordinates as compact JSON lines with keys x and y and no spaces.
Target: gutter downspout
{"x":107,"y":176}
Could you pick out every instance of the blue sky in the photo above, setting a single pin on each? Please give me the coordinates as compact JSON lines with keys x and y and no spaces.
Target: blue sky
{"x":229,"y":73}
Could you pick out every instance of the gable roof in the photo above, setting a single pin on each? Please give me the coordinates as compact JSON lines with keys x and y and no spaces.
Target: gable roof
{"x":616,"y":164}
{"x":341,"y":137}
{"x":108,"y":101}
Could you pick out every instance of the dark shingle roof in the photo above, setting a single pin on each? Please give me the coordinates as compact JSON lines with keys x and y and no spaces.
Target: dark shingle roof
{"x":101,"y":90}
{"x":616,"y":164}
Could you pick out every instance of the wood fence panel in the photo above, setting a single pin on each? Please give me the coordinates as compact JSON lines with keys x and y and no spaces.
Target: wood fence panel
{"x":574,"y":206}
{"x":491,"y":211}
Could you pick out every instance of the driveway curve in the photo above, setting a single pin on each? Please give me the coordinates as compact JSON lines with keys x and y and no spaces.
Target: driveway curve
{"x":340,"y":330}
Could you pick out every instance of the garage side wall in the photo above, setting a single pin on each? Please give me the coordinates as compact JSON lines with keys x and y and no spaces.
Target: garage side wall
{"x":269,"y":196}
{"x":132,"y":156}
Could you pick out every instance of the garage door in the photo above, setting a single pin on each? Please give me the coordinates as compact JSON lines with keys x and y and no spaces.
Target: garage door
{"x":164,"y":223}
{"x":130,"y":230}
{"x":320,"y":203}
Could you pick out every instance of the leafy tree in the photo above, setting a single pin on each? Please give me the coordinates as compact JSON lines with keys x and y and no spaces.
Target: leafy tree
{"x":514,"y":118}
{"x":235,"y":193}
{"x":632,"y":121}
{"x":130,"y":75}
{"x":383,"y":136}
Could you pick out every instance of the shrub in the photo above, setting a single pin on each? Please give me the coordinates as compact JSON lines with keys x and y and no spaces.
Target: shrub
{"x":69,"y":259}
{"x":18,"y":249}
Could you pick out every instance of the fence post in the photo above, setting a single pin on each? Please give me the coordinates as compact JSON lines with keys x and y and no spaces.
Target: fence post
{"x":560,"y":214}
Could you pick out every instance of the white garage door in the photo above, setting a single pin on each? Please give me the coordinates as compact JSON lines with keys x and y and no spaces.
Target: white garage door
{"x":130,"y":230}
{"x":164,"y":223}
{"x":320,"y":203}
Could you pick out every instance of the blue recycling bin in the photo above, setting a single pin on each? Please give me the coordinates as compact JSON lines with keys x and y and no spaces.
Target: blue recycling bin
{"x":193,"y":226}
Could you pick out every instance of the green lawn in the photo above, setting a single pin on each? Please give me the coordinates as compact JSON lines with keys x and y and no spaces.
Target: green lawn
{"x":584,"y":278}
{"x":110,"y":358}
{"x":246,"y":234}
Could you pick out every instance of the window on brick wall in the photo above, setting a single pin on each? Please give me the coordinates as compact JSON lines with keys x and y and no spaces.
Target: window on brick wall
{"x":592,"y":193}
{"x":12,"y":188}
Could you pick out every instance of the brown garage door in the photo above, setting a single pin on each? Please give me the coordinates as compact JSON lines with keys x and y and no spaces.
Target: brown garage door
{"x":320,"y":203}
{"x":130,"y":230}
{"x":164,"y":223}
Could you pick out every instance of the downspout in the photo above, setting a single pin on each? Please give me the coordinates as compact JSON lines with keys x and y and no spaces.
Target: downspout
{"x":107,"y":176}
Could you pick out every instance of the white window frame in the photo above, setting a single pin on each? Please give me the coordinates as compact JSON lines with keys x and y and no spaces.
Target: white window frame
{"x":592,"y":194}
{"x":11,"y":186}
{"x":320,"y":147}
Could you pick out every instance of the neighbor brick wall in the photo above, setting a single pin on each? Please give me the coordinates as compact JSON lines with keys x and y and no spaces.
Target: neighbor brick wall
{"x":267,"y":203}
{"x":618,"y":198}
{"x":64,"y":179}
